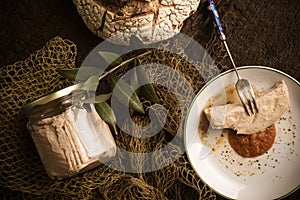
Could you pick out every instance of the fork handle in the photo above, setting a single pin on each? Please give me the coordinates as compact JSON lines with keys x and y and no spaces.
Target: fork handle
{"x":218,"y":25}
{"x":216,"y":19}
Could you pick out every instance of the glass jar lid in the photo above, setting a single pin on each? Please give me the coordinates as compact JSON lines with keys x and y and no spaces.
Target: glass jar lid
{"x":50,"y":97}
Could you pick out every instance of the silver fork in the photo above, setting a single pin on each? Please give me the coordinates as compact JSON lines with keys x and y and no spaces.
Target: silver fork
{"x":243,"y":86}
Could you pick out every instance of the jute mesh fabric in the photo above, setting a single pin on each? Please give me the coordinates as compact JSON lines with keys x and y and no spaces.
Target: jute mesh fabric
{"x":22,"y":173}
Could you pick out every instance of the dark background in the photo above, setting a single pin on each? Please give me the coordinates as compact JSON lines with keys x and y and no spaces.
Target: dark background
{"x":259,"y":32}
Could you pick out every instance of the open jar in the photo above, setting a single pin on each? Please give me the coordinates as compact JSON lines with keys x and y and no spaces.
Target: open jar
{"x":69,"y":134}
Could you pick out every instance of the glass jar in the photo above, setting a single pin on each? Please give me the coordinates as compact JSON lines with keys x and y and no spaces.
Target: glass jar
{"x":69,"y":135}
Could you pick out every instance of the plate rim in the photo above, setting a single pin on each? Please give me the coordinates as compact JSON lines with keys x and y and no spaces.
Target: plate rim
{"x":203,"y":88}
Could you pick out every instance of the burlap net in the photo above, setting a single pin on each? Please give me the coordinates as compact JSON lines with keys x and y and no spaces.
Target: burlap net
{"x":22,"y":173}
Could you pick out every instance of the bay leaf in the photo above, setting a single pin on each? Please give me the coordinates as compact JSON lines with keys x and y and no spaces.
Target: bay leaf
{"x":122,"y":90}
{"x":111,"y":58}
{"x":134,"y":79}
{"x":80,"y":74}
{"x":146,"y":90}
{"x":91,"y":84}
{"x":107,"y":114}
{"x":98,"y":99}
{"x":131,"y":111}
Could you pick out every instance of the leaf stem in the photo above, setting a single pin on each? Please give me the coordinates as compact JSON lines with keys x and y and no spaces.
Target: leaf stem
{"x":123,"y":63}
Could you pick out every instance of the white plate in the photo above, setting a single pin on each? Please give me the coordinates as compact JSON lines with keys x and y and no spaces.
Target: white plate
{"x":269,"y":176}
